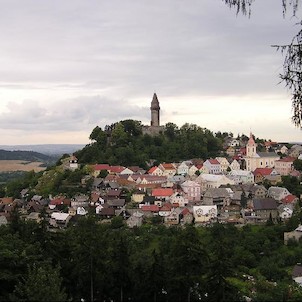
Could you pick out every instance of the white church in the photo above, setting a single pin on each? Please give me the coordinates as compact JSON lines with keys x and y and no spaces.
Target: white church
{"x":254,"y":159}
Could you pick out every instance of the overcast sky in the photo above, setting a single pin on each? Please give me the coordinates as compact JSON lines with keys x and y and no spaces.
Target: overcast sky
{"x":67,"y":66}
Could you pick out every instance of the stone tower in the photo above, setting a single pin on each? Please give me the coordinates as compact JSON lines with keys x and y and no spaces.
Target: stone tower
{"x":155,"y":111}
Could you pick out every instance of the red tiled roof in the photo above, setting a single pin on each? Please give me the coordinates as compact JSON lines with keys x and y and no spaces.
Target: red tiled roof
{"x":165,"y":192}
{"x":116,"y":169}
{"x":6,"y":200}
{"x":94,"y":196}
{"x":152,"y":208}
{"x":151,"y":170}
{"x":185,"y":211}
{"x":134,"y":168}
{"x":263,"y":171}
{"x":295,"y":173}
{"x":268,"y":144}
{"x":168,"y":166}
{"x":214,"y":162}
{"x":100,"y":167}
{"x":289,"y":198}
{"x":166,"y":207}
{"x":57,"y":201}
{"x":286,"y":159}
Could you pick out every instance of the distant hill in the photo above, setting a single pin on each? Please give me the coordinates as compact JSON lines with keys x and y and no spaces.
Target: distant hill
{"x":49,"y":149}
{"x":27,"y":156}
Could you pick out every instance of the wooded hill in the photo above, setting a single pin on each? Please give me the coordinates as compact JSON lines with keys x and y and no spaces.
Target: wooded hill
{"x":124,"y":143}
{"x":26,"y":156}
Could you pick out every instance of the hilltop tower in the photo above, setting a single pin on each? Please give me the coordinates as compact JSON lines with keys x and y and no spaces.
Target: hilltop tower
{"x":155,"y":111}
{"x":155,"y":128}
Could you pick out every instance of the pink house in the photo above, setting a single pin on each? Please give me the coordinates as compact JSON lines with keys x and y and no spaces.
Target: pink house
{"x":284,"y":166}
{"x":192,"y":190}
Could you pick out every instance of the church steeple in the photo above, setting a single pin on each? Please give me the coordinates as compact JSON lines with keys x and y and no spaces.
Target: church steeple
{"x":251,"y":147}
{"x":155,"y":111}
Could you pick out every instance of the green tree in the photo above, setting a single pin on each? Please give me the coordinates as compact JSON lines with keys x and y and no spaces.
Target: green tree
{"x":119,"y":136}
{"x":84,"y":269}
{"x":189,"y":262}
{"x":171,"y":131}
{"x":119,"y":267}
{"x":132,"y":127}
{"x":103,"y":173}
{"x":43,"y":283}
{"x":95,"y":133}
{"x":293,"y":184}
{"x":221,"y":267}
{"x":298,"y":164}
{"x":99,"y":136}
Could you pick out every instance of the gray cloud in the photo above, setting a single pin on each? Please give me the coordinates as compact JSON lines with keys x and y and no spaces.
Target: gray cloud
{"x":82,"y":113}
{"x":99,"y":56}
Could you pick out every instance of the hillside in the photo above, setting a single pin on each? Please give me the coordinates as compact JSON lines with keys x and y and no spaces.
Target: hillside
{"x":56,"y":150}
{"x":124,"y":143}
{"x":26,"y":156}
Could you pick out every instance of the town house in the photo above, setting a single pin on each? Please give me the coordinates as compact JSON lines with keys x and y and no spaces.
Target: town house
{"x":213,"y":166}
{"x":284,"y":166}
{"x":192,"y":190}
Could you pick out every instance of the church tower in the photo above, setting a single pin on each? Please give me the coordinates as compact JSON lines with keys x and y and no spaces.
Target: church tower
{"x":155,"y":111}
{"x":251,"y":147}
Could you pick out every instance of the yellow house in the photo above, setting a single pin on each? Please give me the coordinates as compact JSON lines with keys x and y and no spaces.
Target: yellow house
{"x":224,"y":164}
{"x":137,"y":196}
{"x":204,"y":214}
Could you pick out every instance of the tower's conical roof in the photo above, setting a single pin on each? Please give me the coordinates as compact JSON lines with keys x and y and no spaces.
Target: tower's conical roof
{"x":155,"y":102}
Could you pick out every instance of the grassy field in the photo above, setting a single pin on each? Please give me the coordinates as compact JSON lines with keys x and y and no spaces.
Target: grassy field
{"x":20,"y":165}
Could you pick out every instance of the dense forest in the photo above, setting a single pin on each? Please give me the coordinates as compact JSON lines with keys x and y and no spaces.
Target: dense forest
{"x":124,"y":143}
{"x":109,"y":262}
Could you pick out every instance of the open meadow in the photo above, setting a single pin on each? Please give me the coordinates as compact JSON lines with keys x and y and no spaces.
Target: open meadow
{"x":20,"y":165}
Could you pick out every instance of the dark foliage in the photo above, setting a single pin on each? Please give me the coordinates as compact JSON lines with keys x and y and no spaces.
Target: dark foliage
{"x":124,"y":143}
{"x":93,"y":261}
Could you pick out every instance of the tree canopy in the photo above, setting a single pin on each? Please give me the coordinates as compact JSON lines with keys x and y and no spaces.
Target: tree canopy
{"x":92,"y":261}
{"x":124,"y":143}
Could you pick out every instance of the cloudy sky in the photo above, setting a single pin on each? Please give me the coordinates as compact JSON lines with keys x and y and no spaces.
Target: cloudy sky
{"x":67,"y":66}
